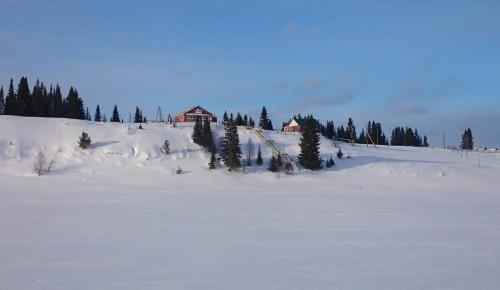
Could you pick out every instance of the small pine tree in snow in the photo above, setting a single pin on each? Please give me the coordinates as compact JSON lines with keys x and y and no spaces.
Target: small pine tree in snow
{"x":273,"y":164}
{"x":84,"y":141}
{"x":259,"y":160}
{"x":330,"y":163}
{"x":340,"y":154}
{"x":97,"y":115}
{"x":166,"y":147}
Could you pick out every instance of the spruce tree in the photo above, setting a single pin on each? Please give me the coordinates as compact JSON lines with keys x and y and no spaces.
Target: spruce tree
{"x":2,"y":101}
{"x":104,"y":120}
{"x":259,"y":160}
{"x":97,"y":115}
{"x":58,"y":102}
{"x":115,"y":117}
{"x":309,"y":145}
{"x":207,"y":136}
{"x":211,"y":163}
{"x":84,"y":141}
{"x":37,"y":100}
{"x":265,"y":123}
{"x":73,"y":105}
{"x":362,"y":139}
{"x":251,"y":122}
{"x":239,"y":120}
{"x":471,"y":140}
{"x":351,"y":131}
{"x":225,"y":117}
{"x":467,"y":140}
{"x":11,"y":101}
{"x":426,"y":144}
{"x":231,"y":146}
{"x":87,"y":115}
{"x":273,"y":164}
{"x":197,"y":134}
{"x":23,"y":98}
{"x":138,"y":116}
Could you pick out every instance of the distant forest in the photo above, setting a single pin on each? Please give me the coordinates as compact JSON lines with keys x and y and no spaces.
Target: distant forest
{"x":41,"y":102}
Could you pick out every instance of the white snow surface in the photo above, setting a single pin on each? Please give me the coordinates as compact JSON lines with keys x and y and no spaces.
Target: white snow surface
{"x":117,"y":216}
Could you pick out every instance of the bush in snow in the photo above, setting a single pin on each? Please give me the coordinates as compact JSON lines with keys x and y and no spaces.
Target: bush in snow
{"x":166,"y":147}
{"x":340,"y":154}
{"x":330,"y":163}
{"x":179,"y":170}
{"x":41,"y":165}
{"x":84,"y":141}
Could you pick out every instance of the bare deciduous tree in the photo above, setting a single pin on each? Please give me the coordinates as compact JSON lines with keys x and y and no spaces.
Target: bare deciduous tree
{"x":41,"y":164}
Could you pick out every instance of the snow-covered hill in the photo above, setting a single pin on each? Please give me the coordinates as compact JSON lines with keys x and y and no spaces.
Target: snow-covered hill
{"x":117,"y":216}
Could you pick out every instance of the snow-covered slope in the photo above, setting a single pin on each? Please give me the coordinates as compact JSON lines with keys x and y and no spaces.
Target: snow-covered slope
{"x":116,"y":216}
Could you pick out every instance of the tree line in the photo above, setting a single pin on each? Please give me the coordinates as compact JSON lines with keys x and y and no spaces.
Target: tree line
{"x":40,"y":101}
{"x":401,"y":136}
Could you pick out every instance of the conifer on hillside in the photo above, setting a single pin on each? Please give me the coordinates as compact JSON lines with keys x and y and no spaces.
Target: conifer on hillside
{"x":197,"y":132}
{"x":84,"y":141}
{"x":259,"y":160}
{"x":87,"y":115}
{"x":211,"y":163}
{"x":97,"y":114}
{"x":309,"y":145}
{"x":231,"y":151}
{"x":2,"y":101}
{"x":207,"y":136}
{"x":265,"y":123}
{"x":273,"y":164}
{"x":138,"y":116}
{"x":115,"y":117}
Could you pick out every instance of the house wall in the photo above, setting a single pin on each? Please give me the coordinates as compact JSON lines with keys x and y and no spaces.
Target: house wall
{"x":291,"y":129}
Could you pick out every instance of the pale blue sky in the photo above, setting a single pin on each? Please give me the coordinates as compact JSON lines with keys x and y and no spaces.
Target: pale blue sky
{"x":430,"y":64}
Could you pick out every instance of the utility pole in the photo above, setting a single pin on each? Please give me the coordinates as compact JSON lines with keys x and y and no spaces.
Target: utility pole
{"x":444,"y":141}
{"x":159,"y":116}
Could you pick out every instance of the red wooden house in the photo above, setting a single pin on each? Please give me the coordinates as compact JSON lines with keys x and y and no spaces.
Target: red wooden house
{"x":192,"y":114}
